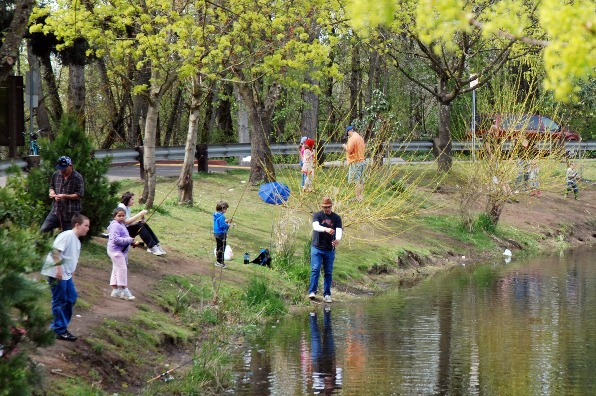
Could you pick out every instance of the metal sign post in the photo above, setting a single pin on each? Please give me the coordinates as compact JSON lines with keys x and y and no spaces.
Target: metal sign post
{"x":32,"y":95}
{"x":473,"y":84}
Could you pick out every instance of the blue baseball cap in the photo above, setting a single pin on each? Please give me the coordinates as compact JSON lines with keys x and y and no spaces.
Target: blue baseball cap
{"x":349,"y":128}
{"x":63,"y":163}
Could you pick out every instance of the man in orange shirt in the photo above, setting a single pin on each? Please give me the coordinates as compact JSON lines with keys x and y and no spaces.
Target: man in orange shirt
{"x":355,"y":155}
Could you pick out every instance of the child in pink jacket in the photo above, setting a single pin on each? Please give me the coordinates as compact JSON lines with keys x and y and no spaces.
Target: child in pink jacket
{"x":118,"y":244}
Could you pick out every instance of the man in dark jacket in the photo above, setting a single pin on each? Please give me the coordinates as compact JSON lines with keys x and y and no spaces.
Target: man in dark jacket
{"x":66,"y":190}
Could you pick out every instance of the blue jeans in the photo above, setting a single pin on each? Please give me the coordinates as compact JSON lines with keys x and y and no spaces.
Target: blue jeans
{"x":64,"y":297}
{"x":326,"y":258}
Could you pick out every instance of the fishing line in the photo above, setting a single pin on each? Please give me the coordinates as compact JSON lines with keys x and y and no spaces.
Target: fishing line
{"x":154,"y":210}
{"x":240,"y":200}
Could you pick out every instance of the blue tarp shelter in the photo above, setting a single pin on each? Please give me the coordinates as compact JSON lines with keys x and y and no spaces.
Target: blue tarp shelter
{"x":274,"y":193}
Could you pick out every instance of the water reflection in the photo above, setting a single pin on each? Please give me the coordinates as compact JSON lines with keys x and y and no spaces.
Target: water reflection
{"x":326,"y":376}
{"x":525,"y":328}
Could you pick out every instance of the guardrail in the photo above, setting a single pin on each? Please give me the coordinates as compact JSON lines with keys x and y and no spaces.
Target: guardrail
{"x":176,"y":153}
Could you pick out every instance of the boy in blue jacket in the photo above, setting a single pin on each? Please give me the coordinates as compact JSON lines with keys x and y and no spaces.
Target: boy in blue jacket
{"x":220,"y":231}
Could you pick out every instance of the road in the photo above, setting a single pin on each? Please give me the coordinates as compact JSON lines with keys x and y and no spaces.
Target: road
{"x":121,"y":172}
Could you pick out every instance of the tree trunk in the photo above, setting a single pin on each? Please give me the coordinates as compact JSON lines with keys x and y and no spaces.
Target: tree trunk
{"x":261,"y":164}
{"x":174,"y":115}
{"x":148,"y":196}
{"x":204,"y":132}
{"x":442,"y":145}
{"x":116,"y":124}
{"x":185,"y":184}
{"x":260,"y":113}
{"x":242,"y":117}
{"x":11,"y":39}
{"x":159,"y":86}
{"x":355,"y":79}
{"x":335,"y":134}
{"x":374,"y":71}
{"x":158,"y":130}
{"x":224,"y":114}
{"x":54,"y":106}
{"x":76,"y":92}
{"x":309,"y":123}
{"x":41,"y":113}
{"x":139,"y":110}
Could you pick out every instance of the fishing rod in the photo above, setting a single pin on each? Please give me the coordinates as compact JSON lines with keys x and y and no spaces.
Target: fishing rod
{"x":164,"y":375}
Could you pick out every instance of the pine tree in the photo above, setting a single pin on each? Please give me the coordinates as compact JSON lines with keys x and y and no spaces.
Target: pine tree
{"x":23,"y":318}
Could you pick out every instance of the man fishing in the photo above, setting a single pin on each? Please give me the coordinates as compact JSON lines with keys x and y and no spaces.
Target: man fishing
{"x":326,"y":236}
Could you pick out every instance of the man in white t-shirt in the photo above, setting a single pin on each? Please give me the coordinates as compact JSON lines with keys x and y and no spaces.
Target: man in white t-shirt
{"x":59,"y":266}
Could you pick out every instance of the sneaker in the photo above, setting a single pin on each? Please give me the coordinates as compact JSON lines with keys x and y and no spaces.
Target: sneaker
{"x":327,"y":299}
{"x":156,"y":251}
{"x":161,"y":250}
{"x":116,"y":293}
{"x":127,"y":295}
{"x":66,"y":336}
{"x":221,"y":265}
{"x":312,"y":295}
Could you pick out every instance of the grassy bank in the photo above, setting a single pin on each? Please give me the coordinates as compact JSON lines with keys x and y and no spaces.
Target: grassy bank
{"x":189,"y":312}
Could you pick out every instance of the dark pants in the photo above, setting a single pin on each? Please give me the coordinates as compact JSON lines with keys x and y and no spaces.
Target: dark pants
{"x":52,"y":221}
{"x":145,"y":232}
{"x":64,"y":297}
{"x":220,"y":240}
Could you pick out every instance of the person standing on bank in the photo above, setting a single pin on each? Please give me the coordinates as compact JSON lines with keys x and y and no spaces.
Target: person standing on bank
{"x":301,"y":154}
{"x":136,"y":225}
{"x":355,"y":156}
{"x":220,"y":231}
{"x":59,"y":266}
{"x":327,"y":232}
{"x":308,"y":166}
{"x":66,"y":190}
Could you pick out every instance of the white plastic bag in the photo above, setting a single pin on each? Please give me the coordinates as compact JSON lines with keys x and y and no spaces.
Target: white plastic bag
{"x":228,"y":253}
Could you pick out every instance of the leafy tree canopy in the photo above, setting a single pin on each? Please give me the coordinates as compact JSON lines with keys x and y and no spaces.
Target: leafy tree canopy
{"x":567,"y":31}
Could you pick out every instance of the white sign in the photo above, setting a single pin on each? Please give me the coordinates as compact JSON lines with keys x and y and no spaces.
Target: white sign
{"x":474,"y":82}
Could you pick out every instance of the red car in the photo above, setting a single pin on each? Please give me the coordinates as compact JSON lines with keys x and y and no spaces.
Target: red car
{"x":535,"y":127}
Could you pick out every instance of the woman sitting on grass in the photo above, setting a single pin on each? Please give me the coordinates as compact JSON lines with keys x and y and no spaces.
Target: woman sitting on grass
{"x":136,"y":225}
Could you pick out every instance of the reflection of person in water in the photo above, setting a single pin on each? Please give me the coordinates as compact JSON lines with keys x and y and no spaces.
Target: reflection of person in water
{"x":326,"y":376}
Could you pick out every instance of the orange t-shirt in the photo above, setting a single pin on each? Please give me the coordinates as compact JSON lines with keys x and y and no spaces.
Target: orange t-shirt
{"x":355,"y":148}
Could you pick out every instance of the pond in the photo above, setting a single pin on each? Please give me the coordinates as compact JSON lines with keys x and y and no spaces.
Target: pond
{"x":523,"y":328}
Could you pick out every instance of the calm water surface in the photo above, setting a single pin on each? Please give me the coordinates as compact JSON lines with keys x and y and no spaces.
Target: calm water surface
{"x":525,"y":328}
